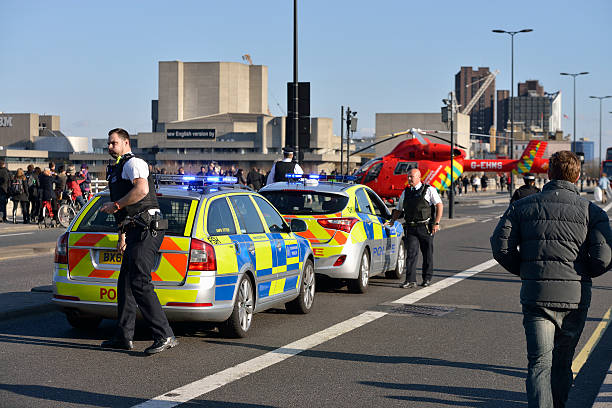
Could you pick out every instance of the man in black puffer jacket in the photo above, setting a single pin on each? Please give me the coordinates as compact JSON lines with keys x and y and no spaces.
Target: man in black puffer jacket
{"x":556,"y":241}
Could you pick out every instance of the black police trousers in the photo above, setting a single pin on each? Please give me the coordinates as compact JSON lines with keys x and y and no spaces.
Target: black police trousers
{"x":415,"y":238}
{"x":134,"y":287}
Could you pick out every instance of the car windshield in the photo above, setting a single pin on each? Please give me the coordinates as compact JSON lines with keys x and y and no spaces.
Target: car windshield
{"x":306,"y":202}
{"x":174,"y":209}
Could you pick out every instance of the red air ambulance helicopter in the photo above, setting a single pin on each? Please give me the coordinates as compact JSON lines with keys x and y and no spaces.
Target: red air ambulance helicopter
{"x":387,"y":175}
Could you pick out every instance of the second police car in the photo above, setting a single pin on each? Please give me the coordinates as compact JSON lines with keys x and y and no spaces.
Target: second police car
{"x":346,"y":227}
{"x":227,"y":254}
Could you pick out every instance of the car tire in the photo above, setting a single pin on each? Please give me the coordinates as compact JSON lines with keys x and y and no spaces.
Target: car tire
{"x":360,"y":285}
{"x":78,"y":321}
{"x":303,"y":303}
{"x":241,"y":318}
{"x":400,"y":264}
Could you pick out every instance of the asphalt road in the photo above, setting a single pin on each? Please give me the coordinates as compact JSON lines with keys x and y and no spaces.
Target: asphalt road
{"x":472,"y":354}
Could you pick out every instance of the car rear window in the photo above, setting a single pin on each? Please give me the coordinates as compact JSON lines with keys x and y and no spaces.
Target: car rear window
{"x":174,"y":209}
{"x":306,"y":202}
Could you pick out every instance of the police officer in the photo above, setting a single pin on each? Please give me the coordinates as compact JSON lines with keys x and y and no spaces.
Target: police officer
{"x":422,"y":208}
{"x":134,"y":205}
{"x":528,"y":189}
{"x":283,"y":167}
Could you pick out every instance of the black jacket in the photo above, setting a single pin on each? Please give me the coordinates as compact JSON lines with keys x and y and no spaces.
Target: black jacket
{"x":5,"y":178}
{"x":24,"y":188}
{"x":556,"y":241}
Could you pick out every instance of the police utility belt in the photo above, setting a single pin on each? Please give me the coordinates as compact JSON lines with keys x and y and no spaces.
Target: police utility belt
{"x":152,"y":223}
{"x":416,"y":223}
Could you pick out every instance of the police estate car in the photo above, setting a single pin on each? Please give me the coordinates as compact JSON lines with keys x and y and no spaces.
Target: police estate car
{"x":227,"y":254}
{"x":345,"y":228}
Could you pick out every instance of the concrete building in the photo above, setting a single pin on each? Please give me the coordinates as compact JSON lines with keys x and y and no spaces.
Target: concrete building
{"x":218,"y":111}
{"x":388,"y":123}
{"x":467,"y":82}
{"x":585,"y":146}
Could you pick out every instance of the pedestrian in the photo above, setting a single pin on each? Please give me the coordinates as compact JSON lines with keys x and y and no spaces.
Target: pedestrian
{"x":240,"y":177}
{"x":47,"y":193}
{"x":484,"y":182}
{"x":254,"y":179}
{"x":134,"y":205}
{"x":556,"y":241}
{"x":475,"y":183}
{"x":60,"y":183}
{"x":525,"y":190}
{"x":466,"y":183}
{"x":86,"y":184}
{"x":5,"y":178}
{"x":19,"y":194}
{"x":604,"y":184}
{"x":34,"y":194}
{"x":73,"y":184}
{"x":202,"y":171}
{"x":502,"y":182}
{"x":422,"y":208}
{"x":283,"y":167}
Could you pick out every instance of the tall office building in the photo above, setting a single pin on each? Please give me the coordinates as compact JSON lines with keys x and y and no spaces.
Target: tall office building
{"x":467,"y":82}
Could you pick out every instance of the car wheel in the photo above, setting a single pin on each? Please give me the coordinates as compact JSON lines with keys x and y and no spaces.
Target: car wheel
{"x":360,"y":285}
{"x":78,"y":321}
{"x":240,"y":320}
{"x":303,"y":303}
{"x":400,"y":265}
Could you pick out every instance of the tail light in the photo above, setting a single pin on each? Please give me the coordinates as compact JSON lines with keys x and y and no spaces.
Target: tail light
{"x":342,"y":224}
{"x":61,"y":249}
{"x":202,"y":256}
{"x":340,"y":260}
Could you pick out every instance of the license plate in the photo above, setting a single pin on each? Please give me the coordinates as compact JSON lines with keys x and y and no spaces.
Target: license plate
{"x":110,"y":258}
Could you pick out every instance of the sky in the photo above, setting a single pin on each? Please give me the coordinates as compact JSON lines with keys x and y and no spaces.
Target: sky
{"x":95,"y":64}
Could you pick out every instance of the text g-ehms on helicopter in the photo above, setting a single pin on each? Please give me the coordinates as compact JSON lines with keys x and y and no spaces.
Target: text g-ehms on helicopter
{"x":387,"y":175}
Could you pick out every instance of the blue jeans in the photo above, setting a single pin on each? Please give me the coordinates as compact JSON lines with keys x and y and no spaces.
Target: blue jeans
{"x":552,"y":335}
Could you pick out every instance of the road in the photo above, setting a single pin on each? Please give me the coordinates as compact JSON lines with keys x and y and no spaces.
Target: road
{"x":463,"y":346}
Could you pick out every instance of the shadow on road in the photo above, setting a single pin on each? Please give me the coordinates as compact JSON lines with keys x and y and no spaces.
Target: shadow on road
{"x":474,"y":397}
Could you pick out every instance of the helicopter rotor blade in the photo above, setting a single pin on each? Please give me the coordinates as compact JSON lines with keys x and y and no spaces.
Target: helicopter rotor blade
{"x":443,"y":139}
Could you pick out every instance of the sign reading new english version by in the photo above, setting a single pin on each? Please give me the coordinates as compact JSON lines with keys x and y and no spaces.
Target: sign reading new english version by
{"x":190,"y":133}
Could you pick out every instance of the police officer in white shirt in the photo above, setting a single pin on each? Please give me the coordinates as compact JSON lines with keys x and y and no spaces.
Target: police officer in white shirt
{"x":283,"y":167}
{"x":422,"y":208}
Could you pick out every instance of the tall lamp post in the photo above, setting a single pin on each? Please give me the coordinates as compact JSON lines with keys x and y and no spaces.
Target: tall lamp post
{"x":296,"y":120}
{"x":601,"y":98}
{"x":574,"y":76}
{"x":512,"y":34}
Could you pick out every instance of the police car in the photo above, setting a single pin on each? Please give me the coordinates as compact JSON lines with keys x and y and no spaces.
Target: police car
{"x":345,"y":227}
{"x":227,"y":254}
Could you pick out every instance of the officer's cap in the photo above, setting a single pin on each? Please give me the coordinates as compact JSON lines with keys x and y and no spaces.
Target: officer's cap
{"x":528,"y":176}
{"x":288,"y":149}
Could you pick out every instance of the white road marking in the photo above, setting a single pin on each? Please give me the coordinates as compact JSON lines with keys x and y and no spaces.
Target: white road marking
{"x":605,"y":392}
{"x":212,"y":382}
{"x":607,"y":207}
{"x":486,"y":220}
{"x":19,"y":233}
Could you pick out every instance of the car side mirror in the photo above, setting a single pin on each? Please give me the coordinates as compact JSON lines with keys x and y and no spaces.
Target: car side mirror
{"x":298,"y":225}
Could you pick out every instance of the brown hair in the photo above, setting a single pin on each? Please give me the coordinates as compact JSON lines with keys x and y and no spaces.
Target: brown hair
{"x":20,"y":174}
{"x":564,"y":165}
{"x":121,"y":132}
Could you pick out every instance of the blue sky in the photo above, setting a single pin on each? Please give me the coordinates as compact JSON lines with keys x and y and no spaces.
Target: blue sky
{"x":95,"y":63}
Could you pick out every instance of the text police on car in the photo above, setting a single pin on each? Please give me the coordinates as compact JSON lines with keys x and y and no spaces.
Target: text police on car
{"x":134,"y":205}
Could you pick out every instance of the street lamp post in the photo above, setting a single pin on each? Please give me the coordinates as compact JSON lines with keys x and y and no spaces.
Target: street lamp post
{"x":600,"y":99}
{"x":512,"y":34}
{"x":296,"y":120}
{"x":574,"y":76}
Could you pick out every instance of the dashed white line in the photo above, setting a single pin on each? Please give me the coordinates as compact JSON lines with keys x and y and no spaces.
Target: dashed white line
{"x":19,"y":233}
{"x":212,"y":382}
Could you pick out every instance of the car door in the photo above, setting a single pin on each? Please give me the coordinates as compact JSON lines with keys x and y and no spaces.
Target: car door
{"x":389,"y":239}
{"x":373,"y":228}
{"x":254,"y":241}
{"x":285,"y":247}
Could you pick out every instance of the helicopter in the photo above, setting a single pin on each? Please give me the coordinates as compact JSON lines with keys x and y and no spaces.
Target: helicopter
{"x":387,"y":175}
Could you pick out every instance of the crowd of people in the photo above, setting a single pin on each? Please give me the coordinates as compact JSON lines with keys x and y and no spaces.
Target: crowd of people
{"x":35,"y":188}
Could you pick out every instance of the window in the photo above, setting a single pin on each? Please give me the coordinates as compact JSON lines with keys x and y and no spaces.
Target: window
{"x":247,"y":215}
{"x":306,"y":202}
{"x":220,"y":220}
{"x":373,"y":172}
{"x":405,"y":167}
{"x":273,"y":219}
{"x":363,"y":203}
{"x":379,"y":207}
{"x":174,"y":209}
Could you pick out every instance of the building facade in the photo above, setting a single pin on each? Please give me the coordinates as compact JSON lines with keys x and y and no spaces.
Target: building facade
{"x":467,"y":82}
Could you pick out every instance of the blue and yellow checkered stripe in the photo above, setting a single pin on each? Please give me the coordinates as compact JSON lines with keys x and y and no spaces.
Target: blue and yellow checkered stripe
{"x":442,"y":180}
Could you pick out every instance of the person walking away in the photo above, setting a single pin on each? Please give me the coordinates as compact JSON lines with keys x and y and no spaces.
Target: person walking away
{"x":502,"y":182}
{"x":5,"y":178}
{"x":556,"y":241}
{"x":73,"y":183}
{"x":466,"y":183}
{"x":476,"y":183}
{"x":422,"y":209}
{"x":240,"y":177}
{"x":254,"y":179}
{"x":47,"y":194}
{"x":525,"y":190}
{"x":86,"y":184}
{"x":484,"y":181}
{"x":34,"y":194}
{"x":604,"y":184}
{"x":134,"y":205}
{"x":283,"y":167}
{"x":19,"y":194}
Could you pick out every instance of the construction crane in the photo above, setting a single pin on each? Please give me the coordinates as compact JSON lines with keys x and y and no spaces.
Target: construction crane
{"x":487,"y":81}
{"x":247,"y":58}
